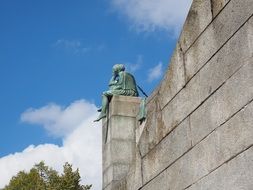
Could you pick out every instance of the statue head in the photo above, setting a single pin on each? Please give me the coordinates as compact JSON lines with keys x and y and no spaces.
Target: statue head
{"x":118,"y":68}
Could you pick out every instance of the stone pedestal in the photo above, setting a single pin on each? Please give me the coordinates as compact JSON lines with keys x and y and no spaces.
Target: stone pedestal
{"x":119,"y":141}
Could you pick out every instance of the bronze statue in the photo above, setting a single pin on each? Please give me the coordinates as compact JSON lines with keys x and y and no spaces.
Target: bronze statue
{"x":121,"y":83}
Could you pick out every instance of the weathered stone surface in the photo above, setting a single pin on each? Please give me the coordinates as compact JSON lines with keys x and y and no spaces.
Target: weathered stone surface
{"x":174,"y":79}
{"x":107,"y":176}
{"x":234,"y":15}
{"x":121,"y":185}
{"x":236,"y":174}
{"x":227,"y":61}
{"x":119,"y":148}
{"x":198,"y":18}
{"x":223,"y":144}
{"x":121,"y":128}
{"x":203,"y":84}
{"x":198,"y":132}
{"x":109,"y":186}
{"x":118,"y":151}
{"x":217,"y":5}
{"x":233,"y":137}
{"x":230,"y":98}
{"x":139,"y":131}
{"x":117,"y":185}
{"x":106,"y":156}
{"x":114,"y":172}
{"x":123,"y":151}
{"x":154,"y":128}
{"x":167,"y":151}
{"x":160,"y":182}
{"x":126,"y":106}
{"x":200,"y":87}
{"x":134,"y":177}
{"x":120,"y":145}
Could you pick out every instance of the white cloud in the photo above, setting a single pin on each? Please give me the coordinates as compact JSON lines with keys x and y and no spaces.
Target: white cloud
{"x":133,"y":67}
{"x":81,"y":145}
{"x":155,"y":72}
{"x":57,"y":120}
{"x":74,"y":46}
{"x":148,"y":15}
{"x":77,"y":47}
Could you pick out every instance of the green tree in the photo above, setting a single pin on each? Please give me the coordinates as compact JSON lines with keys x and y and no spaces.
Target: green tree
{"x":41,"y":177}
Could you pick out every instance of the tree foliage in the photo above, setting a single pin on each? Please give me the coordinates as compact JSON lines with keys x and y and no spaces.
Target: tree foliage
{"x":41,"y":177}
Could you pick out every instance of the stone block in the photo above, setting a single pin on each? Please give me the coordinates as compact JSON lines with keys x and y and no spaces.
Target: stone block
{"x":174,"y":79}
{"x":232,"y":137}
{"x":160,"y":182}
{"x":122,"y":151}
{"x":109,"y":186}
{"x":121,"y":185}
{"x":126,"y":106}
{"x":216,"y":150}
{"x":217,"y":6}
{"x":122,"y":128}
{"x":139,"y":131}
{"x":154,"y":128}
{"x":234,"y":175}
{"x":118,"y":151}
{"x":119,"y":148}
{"x":117,"y":157}
{"x":119,"y":171}
{"x":134,"y":177}
{"x":230,"y":98}
{"x":107,"y":176}
{"x":224,"y":64}
{"x":167,"y":151}
{"x":116,"y":185}
{"x":107,"y":156}
{"x":198,"y":18}
{"x":234,"y":15}
{"x":228,"y":60}
{"x":114,"y":172}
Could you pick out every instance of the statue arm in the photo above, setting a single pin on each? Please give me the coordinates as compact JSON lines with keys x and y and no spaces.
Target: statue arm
{"x":117,"y":82}
{"x":112,"y":81}
{"x":121,"y":80}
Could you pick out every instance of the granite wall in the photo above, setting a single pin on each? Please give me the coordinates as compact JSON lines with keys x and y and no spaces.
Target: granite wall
{"x":199,"y":131}
{"x":198,"y":134}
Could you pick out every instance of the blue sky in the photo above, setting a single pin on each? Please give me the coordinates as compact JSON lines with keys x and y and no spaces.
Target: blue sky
{"x":56,"y":59}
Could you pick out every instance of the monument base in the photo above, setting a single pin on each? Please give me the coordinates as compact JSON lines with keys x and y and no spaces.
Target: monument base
{"x":119,"y":140}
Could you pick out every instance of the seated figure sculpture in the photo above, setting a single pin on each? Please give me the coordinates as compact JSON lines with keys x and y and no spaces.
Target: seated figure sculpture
{"x":121,"y":83}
